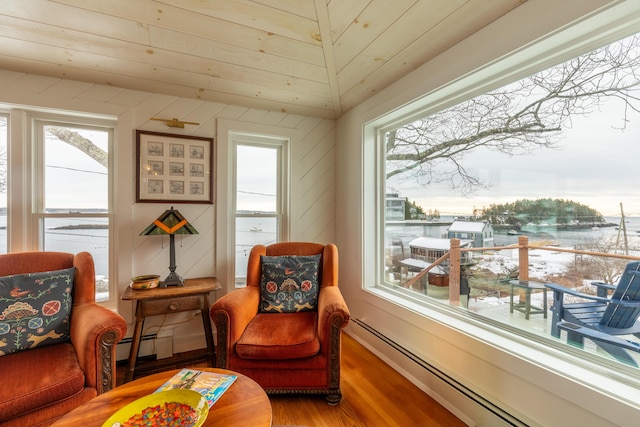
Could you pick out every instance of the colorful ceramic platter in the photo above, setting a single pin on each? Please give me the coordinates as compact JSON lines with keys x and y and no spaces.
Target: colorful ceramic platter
{"x":172,"y":408}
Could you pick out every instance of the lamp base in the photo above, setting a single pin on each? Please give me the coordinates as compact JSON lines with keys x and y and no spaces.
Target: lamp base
{"x":173,"y":279}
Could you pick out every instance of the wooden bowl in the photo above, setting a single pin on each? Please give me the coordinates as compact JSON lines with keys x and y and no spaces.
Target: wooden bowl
{"x":145,"y":282}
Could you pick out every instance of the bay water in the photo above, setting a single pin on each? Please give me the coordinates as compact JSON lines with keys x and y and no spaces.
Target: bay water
{"x":87,"y":236}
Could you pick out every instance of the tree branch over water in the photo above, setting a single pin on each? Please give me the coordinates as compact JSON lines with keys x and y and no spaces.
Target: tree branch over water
{"x":81,"y":143}
{"x":516,"y":119}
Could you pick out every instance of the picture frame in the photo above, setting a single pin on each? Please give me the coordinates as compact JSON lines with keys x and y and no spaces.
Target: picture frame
{"x":173,"y":168}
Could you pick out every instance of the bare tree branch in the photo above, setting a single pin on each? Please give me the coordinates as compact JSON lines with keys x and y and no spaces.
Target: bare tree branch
{"x":517,"y":119}
{"x":83,"y":144}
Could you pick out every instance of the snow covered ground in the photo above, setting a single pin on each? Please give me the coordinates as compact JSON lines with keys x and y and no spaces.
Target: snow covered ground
{"x":542,"y":263}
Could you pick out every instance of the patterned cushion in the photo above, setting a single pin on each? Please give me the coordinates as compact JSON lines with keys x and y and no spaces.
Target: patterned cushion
{"x":289,"y":284}
{"x":34,"y":309}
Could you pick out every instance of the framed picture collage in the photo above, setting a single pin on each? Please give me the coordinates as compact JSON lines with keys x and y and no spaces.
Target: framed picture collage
{"x":173,"y":168}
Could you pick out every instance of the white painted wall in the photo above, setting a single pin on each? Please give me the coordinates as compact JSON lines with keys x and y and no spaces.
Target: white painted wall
{"x":312,"y":173}
{"x":538,"y":389}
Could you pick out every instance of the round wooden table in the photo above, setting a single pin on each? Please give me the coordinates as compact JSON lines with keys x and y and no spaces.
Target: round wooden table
{"x":244,"y":404}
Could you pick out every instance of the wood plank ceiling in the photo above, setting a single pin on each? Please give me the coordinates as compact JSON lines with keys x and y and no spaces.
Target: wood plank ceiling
{"x":312,"y":57}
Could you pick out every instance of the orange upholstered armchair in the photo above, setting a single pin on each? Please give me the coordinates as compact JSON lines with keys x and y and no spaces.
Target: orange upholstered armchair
{"x":46,"y":374}
{"x":285,"y":351}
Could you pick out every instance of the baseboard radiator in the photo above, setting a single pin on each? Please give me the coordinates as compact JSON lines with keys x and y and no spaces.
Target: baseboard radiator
{"x":461,"y":388}
{"x":129,"y":340}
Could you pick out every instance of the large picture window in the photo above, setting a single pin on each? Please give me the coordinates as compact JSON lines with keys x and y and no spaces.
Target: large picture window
{"x":542,"y":167}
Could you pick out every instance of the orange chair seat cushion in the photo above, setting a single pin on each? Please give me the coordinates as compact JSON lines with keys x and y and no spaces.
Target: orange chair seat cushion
{"x":25,"y":389}
{"x":280,"y":336}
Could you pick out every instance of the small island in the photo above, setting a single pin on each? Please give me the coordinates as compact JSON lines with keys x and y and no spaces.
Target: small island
{"x":82,"y":227}
{"x":534,"y":214}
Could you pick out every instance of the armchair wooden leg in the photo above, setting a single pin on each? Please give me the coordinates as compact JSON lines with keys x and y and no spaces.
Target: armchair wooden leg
{"x":334,"y":398}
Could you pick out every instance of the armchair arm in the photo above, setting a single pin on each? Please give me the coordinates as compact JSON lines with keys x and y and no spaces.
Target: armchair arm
{"x":603,"y":284}
{"x":231,"y":314}
{"x":333,"y":315}
{"x":612,"y":344}
{"x":332,"y":311}
{"x":563,"y":290}
{"x":624,"y":303}
{"x":94,"y":332}
{"x":603,"y":288}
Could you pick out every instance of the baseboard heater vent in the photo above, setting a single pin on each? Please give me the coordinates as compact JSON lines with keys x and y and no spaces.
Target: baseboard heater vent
{"x":489,"y":406}
{"x":129,"y":340}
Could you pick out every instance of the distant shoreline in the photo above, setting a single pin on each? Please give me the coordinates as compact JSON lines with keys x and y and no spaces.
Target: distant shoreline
{"x":74,"y":227}
{"x":82,"y":227}
{"x":501,"y":227}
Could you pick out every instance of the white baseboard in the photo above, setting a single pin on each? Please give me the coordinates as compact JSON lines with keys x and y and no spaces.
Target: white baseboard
{"x":147,"y":348}
{"x":182,"y":343}
{"x":163,"y":345}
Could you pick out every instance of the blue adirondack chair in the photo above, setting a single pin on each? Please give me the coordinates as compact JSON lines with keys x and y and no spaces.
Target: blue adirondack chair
{"x":600,"y":318}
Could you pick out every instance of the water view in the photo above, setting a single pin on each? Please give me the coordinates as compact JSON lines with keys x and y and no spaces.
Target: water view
{"x":577,"y":238}
{"x":73,"y":235}
{"x":251,"y":232}
{"x":91,"y":234}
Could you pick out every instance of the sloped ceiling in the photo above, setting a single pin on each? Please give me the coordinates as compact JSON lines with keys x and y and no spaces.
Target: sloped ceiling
{"x":312,"y":57}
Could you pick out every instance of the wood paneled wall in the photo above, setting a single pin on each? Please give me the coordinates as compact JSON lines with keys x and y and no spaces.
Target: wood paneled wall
{"x":312,"y":172}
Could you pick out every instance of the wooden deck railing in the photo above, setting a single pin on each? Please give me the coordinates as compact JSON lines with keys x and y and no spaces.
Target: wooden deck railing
{"x":455,"y":253}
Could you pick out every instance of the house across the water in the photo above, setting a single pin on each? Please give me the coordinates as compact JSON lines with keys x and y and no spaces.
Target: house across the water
{"x":480,"y":232}
{"x":429,"y":249}
{"x":426,"y":250}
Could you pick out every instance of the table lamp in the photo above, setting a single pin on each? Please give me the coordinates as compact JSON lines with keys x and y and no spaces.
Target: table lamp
{"x":171,"y":222}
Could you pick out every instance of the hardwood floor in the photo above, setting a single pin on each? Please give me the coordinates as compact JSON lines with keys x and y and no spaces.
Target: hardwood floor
{"x":373,"y":395}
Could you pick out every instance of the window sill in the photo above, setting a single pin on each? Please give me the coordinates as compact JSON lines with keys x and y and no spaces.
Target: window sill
{"x":530,"y":360}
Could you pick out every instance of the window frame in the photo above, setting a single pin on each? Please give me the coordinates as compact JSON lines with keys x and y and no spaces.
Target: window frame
{"x":25,"y":212}
{"x":239,"y":139}
{"x":39,"y":215}
{"x":565,"y":43}
{"x":5,"y":114}
{"x":224,"y":194}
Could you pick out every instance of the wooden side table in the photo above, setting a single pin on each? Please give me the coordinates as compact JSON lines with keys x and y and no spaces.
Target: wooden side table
{"x":194,"y":295}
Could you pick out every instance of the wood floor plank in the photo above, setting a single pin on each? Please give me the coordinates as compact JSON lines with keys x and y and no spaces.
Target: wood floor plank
{"x":373,"y":395}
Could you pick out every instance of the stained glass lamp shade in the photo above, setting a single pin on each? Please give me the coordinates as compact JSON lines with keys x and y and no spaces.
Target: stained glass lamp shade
{"x":171,"y":222}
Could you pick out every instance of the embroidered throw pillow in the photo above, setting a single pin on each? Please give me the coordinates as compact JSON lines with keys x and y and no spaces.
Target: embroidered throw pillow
{"x":289,"y":284}
{"x":34,"y":309}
